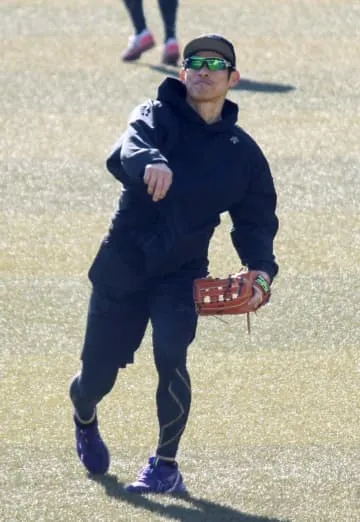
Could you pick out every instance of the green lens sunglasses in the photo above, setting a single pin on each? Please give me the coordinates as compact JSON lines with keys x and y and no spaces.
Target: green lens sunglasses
{"x":213,"y":64}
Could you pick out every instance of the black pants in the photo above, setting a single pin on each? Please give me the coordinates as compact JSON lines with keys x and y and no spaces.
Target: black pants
{"x":168,"y":10}
{"x":115,"y":329}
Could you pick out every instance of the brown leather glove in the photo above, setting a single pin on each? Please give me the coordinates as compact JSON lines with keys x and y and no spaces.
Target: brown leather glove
{"x":233,"y":295}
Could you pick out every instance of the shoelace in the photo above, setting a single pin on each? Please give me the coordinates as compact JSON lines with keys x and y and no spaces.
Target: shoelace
{"x":146,"y":472}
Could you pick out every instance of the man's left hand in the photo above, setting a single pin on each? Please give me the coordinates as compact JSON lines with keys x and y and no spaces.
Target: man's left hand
{"x":257,"y":298}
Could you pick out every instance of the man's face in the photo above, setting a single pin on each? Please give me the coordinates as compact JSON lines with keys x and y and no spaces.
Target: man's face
{"x":204,"y":85}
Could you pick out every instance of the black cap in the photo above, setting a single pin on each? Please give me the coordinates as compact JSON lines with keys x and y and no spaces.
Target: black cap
{"x":211,"y":42}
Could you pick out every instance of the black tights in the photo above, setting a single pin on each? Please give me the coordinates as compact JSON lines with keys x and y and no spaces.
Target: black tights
{"x":90,"y":386}
{"x":168,"y":10}
{"x":173,"y":399}
{"x":115,"y":330}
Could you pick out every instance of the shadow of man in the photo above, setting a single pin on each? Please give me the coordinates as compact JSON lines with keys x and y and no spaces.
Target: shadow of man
{"x":243,"y":85}
{"x":193,"y":509}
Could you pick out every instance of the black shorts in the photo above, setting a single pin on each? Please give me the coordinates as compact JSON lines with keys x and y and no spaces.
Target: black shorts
{"x":116,"y":327}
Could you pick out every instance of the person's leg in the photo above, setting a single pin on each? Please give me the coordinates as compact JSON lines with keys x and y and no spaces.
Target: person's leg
{"x":142,"y":40}
{"x":136,"y":12}
{"x":89,"y":387}
{"x":171,"y":50}
{"x":174,"y":321}
{"x":114,"y":331}
{"x":168,"y":10}
{"x":86,"y":390}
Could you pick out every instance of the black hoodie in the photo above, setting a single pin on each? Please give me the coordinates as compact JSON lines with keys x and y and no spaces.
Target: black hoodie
{"x":217,"y":167}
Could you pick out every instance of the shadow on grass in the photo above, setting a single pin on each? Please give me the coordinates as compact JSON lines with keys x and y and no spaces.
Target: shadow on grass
{"x":196,"y":510}
{"x":243,"y":85}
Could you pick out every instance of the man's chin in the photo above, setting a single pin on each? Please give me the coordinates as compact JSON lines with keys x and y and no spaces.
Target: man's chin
{"x":202,"y":96}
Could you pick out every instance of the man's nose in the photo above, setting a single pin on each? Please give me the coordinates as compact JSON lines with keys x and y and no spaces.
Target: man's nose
{"x":204,"y":71}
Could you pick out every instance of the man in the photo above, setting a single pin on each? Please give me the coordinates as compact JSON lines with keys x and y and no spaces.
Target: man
{"x":182,"y":161}
{"x":143,"y":39}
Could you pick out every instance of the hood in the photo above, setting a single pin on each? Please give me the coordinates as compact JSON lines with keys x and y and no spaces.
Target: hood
{"x":173,"y":92}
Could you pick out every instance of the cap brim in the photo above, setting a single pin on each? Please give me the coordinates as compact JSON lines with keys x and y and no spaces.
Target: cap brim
{"x":204,"y":43}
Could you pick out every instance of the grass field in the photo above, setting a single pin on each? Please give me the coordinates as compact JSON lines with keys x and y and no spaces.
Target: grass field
{"x":274,"y":432}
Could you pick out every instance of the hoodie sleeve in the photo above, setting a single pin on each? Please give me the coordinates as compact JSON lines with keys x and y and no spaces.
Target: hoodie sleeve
{"x":255,"y":223}
{"x":141,"y":141}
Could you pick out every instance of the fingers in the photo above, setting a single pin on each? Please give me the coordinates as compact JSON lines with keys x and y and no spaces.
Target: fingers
{"x":256,"y":299}
{"x":160,"y":186}
{"x":255,"y":273}
{"x":158,"y":178}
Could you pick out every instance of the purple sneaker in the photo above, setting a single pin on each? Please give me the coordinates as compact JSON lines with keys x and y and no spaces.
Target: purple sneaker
{"x":90,"y":447}
{"x":160,"y":478}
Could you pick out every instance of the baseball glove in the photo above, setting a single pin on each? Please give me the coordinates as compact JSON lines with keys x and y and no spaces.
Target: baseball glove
{"x":215,"y":296}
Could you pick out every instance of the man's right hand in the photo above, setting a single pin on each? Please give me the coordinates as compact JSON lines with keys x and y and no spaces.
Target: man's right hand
{"x":158,"y":178}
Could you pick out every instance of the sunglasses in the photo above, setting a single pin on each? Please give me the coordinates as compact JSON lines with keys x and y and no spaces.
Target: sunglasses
{"x":213,"y":64}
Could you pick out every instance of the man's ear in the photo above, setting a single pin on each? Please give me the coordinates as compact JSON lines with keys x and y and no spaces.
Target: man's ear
{"x":182,"y":74}
{"x":234,"y":78}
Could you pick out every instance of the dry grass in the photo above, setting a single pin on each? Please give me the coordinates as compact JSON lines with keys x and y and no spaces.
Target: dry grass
{"x":274,"y":428}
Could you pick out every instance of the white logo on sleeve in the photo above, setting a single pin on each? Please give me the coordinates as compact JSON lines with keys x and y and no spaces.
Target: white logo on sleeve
{"x":234,"y":140}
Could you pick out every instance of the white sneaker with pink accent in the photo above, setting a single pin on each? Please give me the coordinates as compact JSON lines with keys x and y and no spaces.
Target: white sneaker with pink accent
{"x":171,"y":52}
{"x":137,"y":45}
